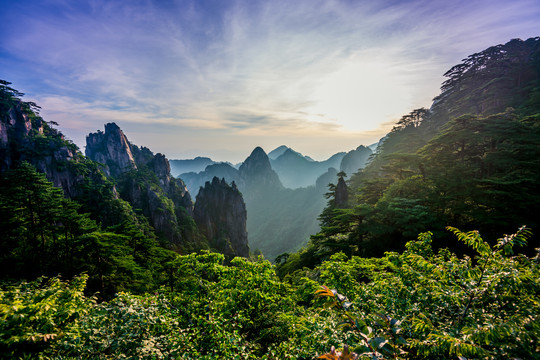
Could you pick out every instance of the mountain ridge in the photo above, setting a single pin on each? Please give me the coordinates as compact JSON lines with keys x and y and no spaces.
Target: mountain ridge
{"x":144,"y":180}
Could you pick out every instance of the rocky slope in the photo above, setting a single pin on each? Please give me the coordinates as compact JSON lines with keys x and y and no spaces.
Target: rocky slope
{"x":25,"y":136}
{"x":145,"y":181}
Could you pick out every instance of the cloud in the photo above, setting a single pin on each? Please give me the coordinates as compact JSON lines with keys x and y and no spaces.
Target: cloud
{"x":247,"y":68}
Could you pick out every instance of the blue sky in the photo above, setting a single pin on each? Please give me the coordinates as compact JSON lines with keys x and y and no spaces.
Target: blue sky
{"x":217,"y":78}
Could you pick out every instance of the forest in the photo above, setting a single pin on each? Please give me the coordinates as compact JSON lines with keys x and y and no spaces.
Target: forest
{"x":429,"y":252}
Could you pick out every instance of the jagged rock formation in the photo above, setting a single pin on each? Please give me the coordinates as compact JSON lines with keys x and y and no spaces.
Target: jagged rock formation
{"x":220,"y":213}
{"x":112,"y":149}
{"x":25,"y":136}
{"x":145,"y":181}
{"x":342,"y":194}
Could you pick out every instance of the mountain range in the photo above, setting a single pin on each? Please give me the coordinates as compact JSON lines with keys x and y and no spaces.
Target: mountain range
{"x":294,"y":169}
{"x":283,"y":190}
{"x":419,"y":230}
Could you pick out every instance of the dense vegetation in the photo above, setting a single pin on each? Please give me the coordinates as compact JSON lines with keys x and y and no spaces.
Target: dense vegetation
{"x":418,"y":304}
{"x":86,"y":278}
{"x":43,"y":233}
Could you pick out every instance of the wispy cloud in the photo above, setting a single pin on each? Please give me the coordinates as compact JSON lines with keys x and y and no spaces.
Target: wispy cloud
{"x":246,"y":68}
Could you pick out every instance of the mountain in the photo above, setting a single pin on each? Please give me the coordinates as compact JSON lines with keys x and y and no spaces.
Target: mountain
{"x":257,"y":172}
{"x":25,"y":136}
{"x":277,"y":152}
{"x":144,"y":180}
{"x":355,"y":160}
{"x":296,"y":170}
{"x":279,"y":219}
{"x":220,"y":213}
{"x":189,"y":165}
{"x":60,"y":214}
{"x":194,"y":181}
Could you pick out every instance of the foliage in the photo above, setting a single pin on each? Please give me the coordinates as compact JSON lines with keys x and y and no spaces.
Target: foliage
{"x":46,"y":234}
{"x":436,"y":305}
{"x":36,"y":315}
{"x":419,"y":304}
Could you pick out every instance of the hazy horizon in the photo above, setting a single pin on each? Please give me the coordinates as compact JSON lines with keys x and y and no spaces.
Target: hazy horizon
{"x":218,"y":78}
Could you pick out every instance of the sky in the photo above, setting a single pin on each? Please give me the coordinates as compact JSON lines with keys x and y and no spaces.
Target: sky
{"x":217,"y":78}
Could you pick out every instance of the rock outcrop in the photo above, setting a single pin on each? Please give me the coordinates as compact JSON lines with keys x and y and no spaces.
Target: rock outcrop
{"x":342,"y":194}
{"x":220,"y":213}
{"x":145,"y":181}
{"x":25,"y":136}
{"x":112,"y":149}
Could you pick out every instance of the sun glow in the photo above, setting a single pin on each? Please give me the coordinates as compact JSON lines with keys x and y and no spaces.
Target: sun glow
{"x":361,"y":95}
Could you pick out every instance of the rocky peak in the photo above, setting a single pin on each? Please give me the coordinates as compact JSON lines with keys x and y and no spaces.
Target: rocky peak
{"x":25,"y":136}
{"x":145,"y":181}
{"x":257,"y":171}
{"x":112,"y":149}
{"x":220,"y":213}
{"x":342,"y":194}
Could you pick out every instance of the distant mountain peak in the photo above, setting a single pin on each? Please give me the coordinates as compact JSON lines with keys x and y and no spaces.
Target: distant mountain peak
{"x":291,"y":152}
{"x":257,"y":169}
{"x":258,"y":151}
{"x":277,"y":152}
{"x":257,"y":159}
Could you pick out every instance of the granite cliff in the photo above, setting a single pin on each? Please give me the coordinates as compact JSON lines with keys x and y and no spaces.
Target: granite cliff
{"x":25,"y":136}
{"x":144,"y":180}
{"x":220,"y":213}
